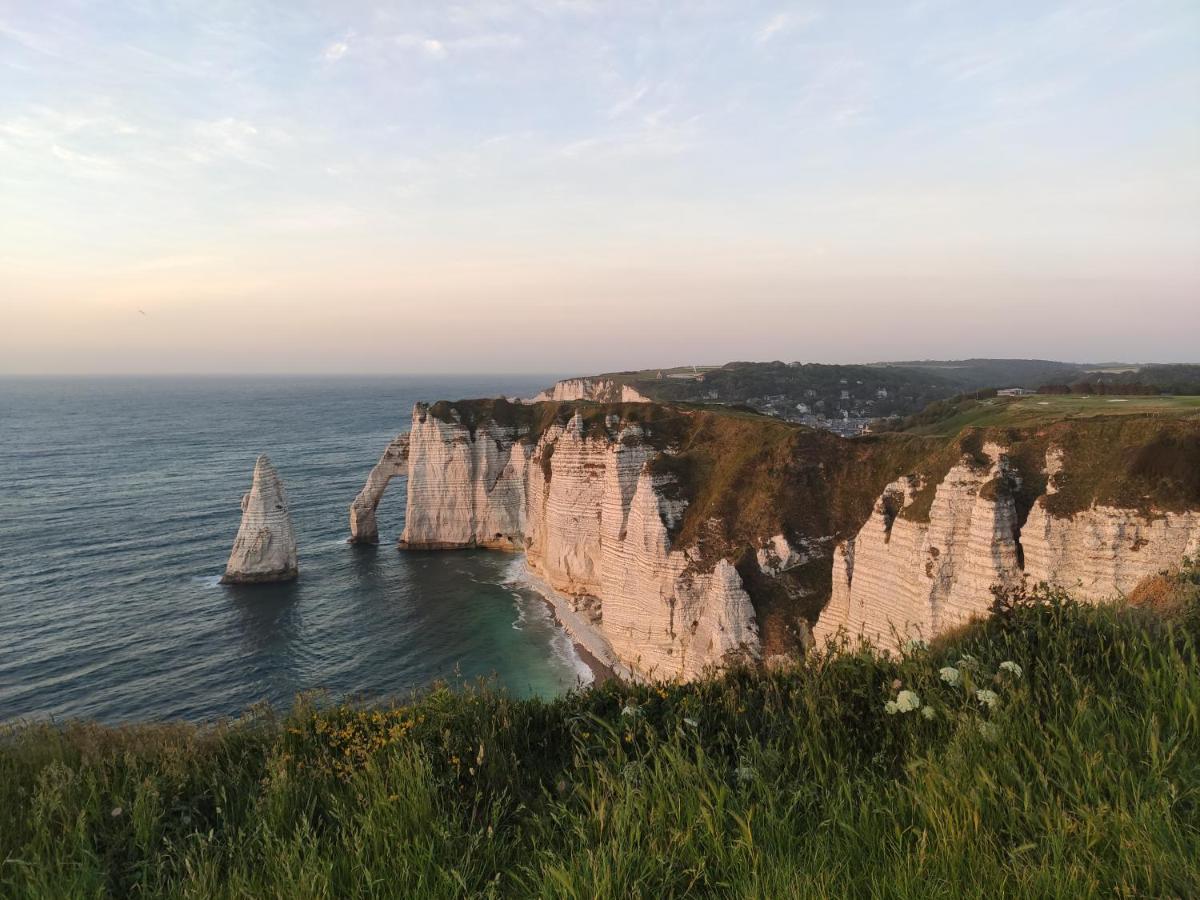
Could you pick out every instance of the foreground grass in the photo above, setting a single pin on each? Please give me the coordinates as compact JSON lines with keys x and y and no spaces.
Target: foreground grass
{"x":1083,"y":779}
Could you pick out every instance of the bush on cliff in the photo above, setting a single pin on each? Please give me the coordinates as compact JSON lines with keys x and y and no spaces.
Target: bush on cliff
{"x":1061,"y":759}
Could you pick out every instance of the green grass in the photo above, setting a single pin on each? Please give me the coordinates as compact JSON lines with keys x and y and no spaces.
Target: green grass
{"x":1083,"y":782}
{"x":1037,"y":410}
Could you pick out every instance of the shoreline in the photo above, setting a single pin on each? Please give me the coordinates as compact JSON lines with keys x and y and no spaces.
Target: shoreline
{"x":593,"y":648}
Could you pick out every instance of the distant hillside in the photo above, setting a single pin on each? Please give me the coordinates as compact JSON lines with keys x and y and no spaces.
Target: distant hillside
{"x":855,"y":394}
{"x":973,"y":374}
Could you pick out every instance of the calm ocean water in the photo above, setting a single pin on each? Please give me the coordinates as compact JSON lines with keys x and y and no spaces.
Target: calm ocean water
{"x":119,"y":503}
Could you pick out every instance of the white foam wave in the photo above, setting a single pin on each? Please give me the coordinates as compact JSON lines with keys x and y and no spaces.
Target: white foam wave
{"x":517,"y":575}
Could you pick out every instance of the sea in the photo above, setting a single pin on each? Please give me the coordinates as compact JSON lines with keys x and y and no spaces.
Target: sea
{"x":119,"y":502}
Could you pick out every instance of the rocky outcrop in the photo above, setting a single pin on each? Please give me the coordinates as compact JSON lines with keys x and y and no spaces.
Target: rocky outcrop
{"x":600,"y":390}
{"x":899,"y":578}
{"x":394,"y":462}
{"x":594,"y":523}
{"x":265,"y":547}
{"x":1103,"y":552}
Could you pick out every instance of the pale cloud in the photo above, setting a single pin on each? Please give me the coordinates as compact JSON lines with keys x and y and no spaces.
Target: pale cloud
{"x":783,"y":22}
{"x":586,"y":136}
{"x":335,"y":51}
{"x":227,"y":138}
{"x":441,"y":47}
{"x":628,"y":102}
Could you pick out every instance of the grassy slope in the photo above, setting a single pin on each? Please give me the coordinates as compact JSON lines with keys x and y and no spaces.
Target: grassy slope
{"x":1084,"y":781}
{"x":1038,"y":411}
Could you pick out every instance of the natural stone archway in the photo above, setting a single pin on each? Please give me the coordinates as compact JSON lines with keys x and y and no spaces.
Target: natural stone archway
{"x":363,"y":527}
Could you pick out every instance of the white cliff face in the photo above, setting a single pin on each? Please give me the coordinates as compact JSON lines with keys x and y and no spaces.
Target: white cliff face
{"x":602,"y":390}
{"x":464,"y":490}
{"x":593,"y":523}
{"x":1103,"y":552}
{"x":779,"y":556}
{"x":265,"y":547}
{"x":899,"y":579}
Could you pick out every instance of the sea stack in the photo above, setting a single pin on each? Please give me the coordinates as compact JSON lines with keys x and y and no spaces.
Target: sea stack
{"x":265,"y":547}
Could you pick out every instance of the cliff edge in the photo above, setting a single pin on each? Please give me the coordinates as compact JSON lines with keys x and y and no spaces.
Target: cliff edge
{"x":687,"y":537}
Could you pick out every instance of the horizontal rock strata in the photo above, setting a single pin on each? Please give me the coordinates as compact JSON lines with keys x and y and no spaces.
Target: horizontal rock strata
{"x":593,"y":523}
{"x":265,"y":547}
{"x":899,"y":579}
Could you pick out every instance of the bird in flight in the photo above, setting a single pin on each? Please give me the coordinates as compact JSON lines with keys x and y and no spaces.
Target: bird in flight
{"x":142,"y":311}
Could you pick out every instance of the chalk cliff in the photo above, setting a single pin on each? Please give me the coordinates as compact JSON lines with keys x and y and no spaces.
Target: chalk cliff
{"x":600,"y":390}
{"x":363,"y":528}
{"x":265,"y":547}
{"x":593,"y":521}
{"x":898,"y":578}
{"x":683,"y":538}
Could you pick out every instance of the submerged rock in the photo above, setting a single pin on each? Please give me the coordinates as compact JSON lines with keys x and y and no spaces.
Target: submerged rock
{"x":265,"y":547}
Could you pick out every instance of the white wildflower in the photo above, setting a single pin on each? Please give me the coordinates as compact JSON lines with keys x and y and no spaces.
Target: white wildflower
{"x":1011,"y":667}
{"x":691,"y":723}
{"x":928,"y":713}
{"x":633,"y":772}
{"x":907,"y":701}
{"x":630,"y":711}
{"x":116,"y":811}
{"x":990,"y":699}
{"x":891,"y":707}
{"x":949,"y":675}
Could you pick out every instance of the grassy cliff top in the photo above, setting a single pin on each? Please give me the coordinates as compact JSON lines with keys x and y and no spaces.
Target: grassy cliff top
{"x":1082,"y":781}
{"x":760,"y":476}
{"x":1035,"y":411}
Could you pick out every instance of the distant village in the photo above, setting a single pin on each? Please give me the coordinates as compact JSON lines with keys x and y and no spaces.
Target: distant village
{"x":849,"y":407}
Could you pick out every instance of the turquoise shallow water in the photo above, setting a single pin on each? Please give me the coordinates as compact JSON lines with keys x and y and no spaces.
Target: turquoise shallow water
{"x":119,"y":502}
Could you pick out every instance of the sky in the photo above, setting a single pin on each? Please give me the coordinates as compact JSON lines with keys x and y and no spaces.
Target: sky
{"x":575,"y":186}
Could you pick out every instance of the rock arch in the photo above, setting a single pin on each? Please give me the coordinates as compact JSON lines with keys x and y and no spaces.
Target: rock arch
{"x":363,"y":527}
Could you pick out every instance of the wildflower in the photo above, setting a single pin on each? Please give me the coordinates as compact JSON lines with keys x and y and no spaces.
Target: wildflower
{"x":1011,"y":667}
{"x":907,"y":701}
{"x":989,"y":730}
{"x":928,"y":713}
{"x":116,"y":811}
{"x":691,"y":723}
{"x":949,"y":675}
{"x":897,"y":684}
{"x":990,"y":699}
{"x":891,"y":707}
{"x":630,"y":711}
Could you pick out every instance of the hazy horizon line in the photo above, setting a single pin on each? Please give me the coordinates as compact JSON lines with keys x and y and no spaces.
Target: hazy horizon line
{"x":557,"y":374}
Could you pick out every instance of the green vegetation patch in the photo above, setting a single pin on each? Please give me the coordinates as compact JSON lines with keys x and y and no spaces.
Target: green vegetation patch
{"x":1051,"y":751}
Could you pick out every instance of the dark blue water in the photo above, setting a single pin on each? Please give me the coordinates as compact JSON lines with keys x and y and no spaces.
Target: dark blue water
{"x":119,"y":500}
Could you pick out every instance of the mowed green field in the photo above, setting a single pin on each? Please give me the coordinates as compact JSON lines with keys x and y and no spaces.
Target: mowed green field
{"x":1046,"y":409}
